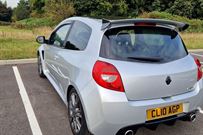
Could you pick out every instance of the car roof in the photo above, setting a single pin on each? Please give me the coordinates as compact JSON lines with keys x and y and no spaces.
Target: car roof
{"x":92,"y":22}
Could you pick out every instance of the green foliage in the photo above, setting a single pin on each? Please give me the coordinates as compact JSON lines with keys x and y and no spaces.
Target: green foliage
{"x":34,"y":22}
{"x":196,"y":25}
{"x":198,"y":9}
{"x":100,"y":7}
{"x":156,"y":5}
{"x":129,"y":8}
{"x":37,"y":5}
{"x":182,"y":8}
{"x":104,"y":8}
{"x":120,"y":8}
{"x":5,"y":12}
{"x":22,"y":11}
{"x":59,"y":10}
{"x":84,"y":7}
{"x":2,"y":23}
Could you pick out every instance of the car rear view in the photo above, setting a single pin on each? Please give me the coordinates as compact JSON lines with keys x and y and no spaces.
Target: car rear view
{"x":144,"y":76}
{"x":152,"y":61}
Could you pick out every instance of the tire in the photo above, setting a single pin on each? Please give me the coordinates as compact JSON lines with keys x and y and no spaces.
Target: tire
{"x":76,"y":114}
{"x":40,"y":69}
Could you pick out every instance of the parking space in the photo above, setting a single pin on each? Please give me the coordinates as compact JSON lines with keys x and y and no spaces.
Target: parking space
{"x":49,"y":109}
{"x":13,"y":119}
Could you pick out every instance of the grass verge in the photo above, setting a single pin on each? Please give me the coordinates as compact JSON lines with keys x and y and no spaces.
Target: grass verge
{"x":19,"y":43}
{"x":193,"y":40}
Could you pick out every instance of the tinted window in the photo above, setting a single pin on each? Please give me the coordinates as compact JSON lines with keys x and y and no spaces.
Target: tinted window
{"x":58,"y":37}
{"x":78,"y":37}
{"x":154,"y":44}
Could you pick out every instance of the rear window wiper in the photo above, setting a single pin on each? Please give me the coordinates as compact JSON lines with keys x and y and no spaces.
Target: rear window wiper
{"x":150,"y":59}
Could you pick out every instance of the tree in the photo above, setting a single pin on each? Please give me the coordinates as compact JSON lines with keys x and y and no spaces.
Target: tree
{"x":22,"y":11}
{"x":59,"y":9}
{"x":101,"y":7}
{"x":197,"y":9}
{"x":120,"y":8}
{"x":86,"y":7}
{"x":182,"y":8}
{"x":105,"y":8}
{"x":137,"y":7}
{"x":5,"y":12}
{"x":156,"y":5}
{"x":37,"y":5}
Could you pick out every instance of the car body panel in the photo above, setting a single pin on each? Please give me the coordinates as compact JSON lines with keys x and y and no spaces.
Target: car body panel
{"x":113,"y":111}
{"x":148,"y":80}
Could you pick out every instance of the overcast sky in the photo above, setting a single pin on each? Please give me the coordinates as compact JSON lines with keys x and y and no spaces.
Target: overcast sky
{"x":11,"y":3}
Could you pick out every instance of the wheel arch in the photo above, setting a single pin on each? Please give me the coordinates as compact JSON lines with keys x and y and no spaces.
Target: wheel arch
{"x":80,"y":97}
{"x":68,"y":91}
{"x":40,"y":51}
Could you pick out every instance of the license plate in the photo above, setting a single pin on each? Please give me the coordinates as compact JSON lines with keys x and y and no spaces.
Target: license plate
{"x":162,"y":112}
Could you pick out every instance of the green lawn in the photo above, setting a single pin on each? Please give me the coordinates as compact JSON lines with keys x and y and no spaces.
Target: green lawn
{"x":20,"y":43}
{"x":193,"y":40}
{"x":17,"y":48}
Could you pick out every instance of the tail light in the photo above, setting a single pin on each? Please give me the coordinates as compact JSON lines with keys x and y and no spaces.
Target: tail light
{"x":199,"y":69}
{"x":107,"y":76}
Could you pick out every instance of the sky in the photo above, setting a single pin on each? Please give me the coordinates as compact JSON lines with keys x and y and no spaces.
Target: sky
{"x":11,"y":3}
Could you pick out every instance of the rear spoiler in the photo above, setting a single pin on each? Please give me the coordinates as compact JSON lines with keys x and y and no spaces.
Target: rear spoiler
{"x":106,"y":24}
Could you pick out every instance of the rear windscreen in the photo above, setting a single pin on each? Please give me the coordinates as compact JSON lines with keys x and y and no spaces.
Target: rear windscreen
{"x":142,"y":43}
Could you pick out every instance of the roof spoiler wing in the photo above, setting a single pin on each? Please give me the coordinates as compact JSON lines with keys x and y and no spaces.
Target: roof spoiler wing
{"x":178,"y":25}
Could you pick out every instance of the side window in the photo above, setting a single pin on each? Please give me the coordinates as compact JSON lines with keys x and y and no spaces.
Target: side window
{"x":78,"y":37}
{"x":58,"y":37}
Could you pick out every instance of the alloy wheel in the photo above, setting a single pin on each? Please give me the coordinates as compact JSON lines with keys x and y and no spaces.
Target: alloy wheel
{"x":75,"y":113}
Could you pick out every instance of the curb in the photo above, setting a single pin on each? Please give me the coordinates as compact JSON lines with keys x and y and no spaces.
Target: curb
{"x":18,"y":61}
{"x":195,"y":50}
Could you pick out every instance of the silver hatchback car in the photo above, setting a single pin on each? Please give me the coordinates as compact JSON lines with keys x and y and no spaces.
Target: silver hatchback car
{"x":117,"y":75}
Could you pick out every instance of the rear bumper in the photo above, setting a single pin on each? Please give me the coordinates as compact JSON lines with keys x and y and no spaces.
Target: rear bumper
{"x":108,"y":112}
{"x":153,"y":124}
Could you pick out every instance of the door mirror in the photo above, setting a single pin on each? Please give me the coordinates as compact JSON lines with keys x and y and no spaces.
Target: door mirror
{"x":41,"y":39}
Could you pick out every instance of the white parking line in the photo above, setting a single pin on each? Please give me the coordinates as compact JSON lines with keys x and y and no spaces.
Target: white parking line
{"x":28,"y":107}
{"x":200,"y":110}
{"x":197,"y":54}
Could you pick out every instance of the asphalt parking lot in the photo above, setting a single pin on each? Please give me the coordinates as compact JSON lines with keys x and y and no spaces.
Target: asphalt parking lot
{"x":49,"y":110}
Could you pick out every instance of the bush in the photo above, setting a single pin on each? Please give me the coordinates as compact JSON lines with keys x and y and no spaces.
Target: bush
{"x":196,"y":25}
{"x":34,"y":22}
{"x":2,"y":23}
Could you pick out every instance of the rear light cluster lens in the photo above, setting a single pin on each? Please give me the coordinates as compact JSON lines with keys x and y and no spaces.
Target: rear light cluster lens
{"x":199,"y":69}
{"x":107,"y":76}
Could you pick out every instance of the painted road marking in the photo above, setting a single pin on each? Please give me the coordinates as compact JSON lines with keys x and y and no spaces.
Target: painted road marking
{"x":200,"y":110}
{"x":28,"y":107}
{"x":197,"y":54}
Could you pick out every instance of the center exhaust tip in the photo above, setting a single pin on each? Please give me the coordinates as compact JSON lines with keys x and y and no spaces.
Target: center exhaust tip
{"x":129,"y":132}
